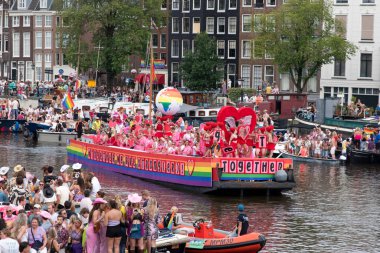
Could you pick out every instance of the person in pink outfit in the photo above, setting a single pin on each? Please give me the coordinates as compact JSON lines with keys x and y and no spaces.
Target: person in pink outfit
{"x":95,"y":218}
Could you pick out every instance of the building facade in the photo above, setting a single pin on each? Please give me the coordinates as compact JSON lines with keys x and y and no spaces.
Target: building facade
{"x":218,"y":18}
{"x":358,"y":77}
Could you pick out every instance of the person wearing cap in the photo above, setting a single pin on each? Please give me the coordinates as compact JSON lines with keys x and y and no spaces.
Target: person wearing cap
{"x":242,"y":222}
{"x":4,"y":172}
{"x":35,"y":214}
{"x":46,"y":220}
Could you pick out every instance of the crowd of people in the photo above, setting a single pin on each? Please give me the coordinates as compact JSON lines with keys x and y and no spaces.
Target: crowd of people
{"x":324,"y":144}
{"x":68,"y":212}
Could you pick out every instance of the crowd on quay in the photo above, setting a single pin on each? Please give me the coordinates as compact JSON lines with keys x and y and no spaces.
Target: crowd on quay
{"x":68,"y":212}
{"x":324,"y":144}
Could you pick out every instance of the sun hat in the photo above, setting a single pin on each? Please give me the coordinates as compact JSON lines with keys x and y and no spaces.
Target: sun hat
{"x":48,"y":192}
{"x":18,"y":168}
{"x":45,"y":214}
{"x":77,"y":166}
{"x":134,"y":198}
{"x":64,"y":168}
{"x":4,"y":170}
{"x":99,"y":201}
{"x":37,"y":206}
{"x":241,"y":207}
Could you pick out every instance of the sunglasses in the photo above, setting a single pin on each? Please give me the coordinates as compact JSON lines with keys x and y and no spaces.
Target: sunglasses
{"x":9,"y":211}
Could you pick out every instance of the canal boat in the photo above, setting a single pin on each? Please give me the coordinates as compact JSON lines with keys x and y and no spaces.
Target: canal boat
{"x":361,"y":156}
{"x":200,"y":174}
{"x":9,"y":125}
{"x":206,"y":239}
{"x":309,"y":159}
{"x":55,"y":137}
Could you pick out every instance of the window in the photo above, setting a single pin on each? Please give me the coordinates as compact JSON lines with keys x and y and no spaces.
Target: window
{"x":155,"y":40}
{"x":16,"y":45}
{"x":47,"y":21}
{"x":246,"y":49}
{"x":26,"y":44}
{"x":342,"y":1}
{"x":175,"y":72}
{"x":271,"y":3}
{"x":175,"y":48}
{"x":164,"y":5}
{"x":47,"y":58}
{"x":232,"y":25}
{"x":231,"y":72}
{"x":58,"y":21}
{"x":38,"y":21}
{"x":175,"y":24}
{"x":368,"y":1}
{"x":22,"y":4}
{"x":257,"y":76}
{"x":196,"y":25}
{"x":39,"y":40}
{"x":258,"y":50}
{"x":247,"y":3}
{"x":6,"y":18}
{"x":221,"y":48}
{"x":367,"y":27}
{"x":175,"y":5}
{"x":271,"y":23}
{"x":269,"y":74}
{"x":246,"y":75}
{"x":341,"y":25}
{"x":232,"y":49}
{"x":259,"y":4}
{"x":221,"y":5}
{"x":185,"y":25}
{"x":57,"y":40}
{"x":47,"y":40}
{"x":210,"y":25}
{"x":66,"y":3}
{"x":185,"y":47}
{"x":339,"y":67}
{"x":16,"y":21}
{"x":185,"y":5}
{"x":221,"y":25}
{"x":247,"y":19}
{"x":196,"y":4}
{"x":268,"y":44}
{"x":163,"y":40}
{"x":43,"y":4}
{"x":6,"y":43}
{"x":210,"y":4}
{"x":233,"y":5}
{"x":257,"y":23}
{"x":366,"y":65}
{"x":26,"y":21}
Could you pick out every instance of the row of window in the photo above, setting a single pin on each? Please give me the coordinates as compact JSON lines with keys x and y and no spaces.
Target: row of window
{"x":26,"y":21}
{"x":22,"y":4}
{"x":230,"y":45}
{"x":156,"y":41}
{"x":367,"y":26}
{"x":363,"y":1}
{"x":220,"y":5}
{"x":365,"y":66}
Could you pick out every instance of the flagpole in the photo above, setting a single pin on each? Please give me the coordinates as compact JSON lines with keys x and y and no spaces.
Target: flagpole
{"x":151,"y":78}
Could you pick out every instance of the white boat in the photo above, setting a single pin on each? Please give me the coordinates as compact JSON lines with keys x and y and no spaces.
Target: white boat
{"x":55,"y":137}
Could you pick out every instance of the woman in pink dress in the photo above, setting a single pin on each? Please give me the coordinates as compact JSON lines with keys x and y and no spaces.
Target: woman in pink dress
{"x":92,"y":233}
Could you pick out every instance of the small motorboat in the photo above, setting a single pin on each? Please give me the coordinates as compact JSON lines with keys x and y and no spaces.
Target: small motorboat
{"x":173,"y":243}
{"x":206,"y":239}
{"x":55,"y":137}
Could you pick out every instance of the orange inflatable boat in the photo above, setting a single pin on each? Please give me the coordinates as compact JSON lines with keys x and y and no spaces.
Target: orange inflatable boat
{"x":206,"y":239}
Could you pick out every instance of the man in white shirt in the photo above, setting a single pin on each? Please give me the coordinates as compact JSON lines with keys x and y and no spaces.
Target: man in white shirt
{"x":62,"y":192}
{"x":86,"y":202}
{"x":7,"y":245}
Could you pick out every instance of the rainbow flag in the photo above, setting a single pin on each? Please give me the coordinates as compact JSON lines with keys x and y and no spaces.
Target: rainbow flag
{"x":67,"y":102}
{"x":153,"y":71}
{"x":77,"y":85}
{"x":170,"y":224}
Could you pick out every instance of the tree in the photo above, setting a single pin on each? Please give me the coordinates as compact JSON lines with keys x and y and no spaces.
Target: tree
{"x":302,"y":36}
{"x":202,"y":69}
{"x":120,"y":27}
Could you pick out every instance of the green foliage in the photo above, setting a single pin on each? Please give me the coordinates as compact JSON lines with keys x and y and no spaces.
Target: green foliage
{"x":235,"y":93}
{"x":122,"y":28}
{"x":202,"y":69}
{"x":300,"y":44}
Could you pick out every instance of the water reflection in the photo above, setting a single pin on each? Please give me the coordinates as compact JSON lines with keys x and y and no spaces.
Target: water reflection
{"x":332,"y":209}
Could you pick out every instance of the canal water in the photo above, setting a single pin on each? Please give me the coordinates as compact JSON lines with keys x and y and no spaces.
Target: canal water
{"x":332,"y":209}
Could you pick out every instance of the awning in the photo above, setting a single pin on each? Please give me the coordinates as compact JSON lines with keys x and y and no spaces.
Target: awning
{"x":144,"y":78}
{"x":185,"y":108}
